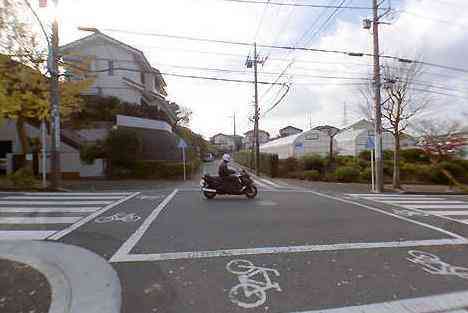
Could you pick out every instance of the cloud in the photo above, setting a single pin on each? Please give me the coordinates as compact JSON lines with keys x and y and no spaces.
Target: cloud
{"x":417,"y":33}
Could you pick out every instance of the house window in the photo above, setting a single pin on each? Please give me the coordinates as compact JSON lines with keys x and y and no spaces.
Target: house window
{"x":110,"y":65}
{"x":312,"y":137}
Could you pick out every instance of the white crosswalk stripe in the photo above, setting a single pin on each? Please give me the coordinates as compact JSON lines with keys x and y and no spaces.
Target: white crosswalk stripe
{"x":37,"y":216}
{"x":454,"y":209}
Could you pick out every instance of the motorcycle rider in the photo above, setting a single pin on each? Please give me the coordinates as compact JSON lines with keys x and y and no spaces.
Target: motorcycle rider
{"x":228,"y":176}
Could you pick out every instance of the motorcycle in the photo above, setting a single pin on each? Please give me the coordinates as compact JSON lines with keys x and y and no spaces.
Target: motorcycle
{"x":215,"y":185}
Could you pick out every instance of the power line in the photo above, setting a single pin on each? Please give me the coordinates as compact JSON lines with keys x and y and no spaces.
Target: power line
{"x":303,"y":5}
{"x":240,"y":43}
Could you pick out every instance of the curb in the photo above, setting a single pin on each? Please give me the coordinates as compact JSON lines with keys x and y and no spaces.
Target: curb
{"x":81,"y":281}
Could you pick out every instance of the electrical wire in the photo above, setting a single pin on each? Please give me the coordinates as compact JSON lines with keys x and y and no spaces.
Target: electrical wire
{"x":303,"y":5}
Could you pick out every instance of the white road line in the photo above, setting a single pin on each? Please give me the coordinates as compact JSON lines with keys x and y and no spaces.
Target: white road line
{"x":363,"y":195}
{"x":436,"y":206}
{"x":448,"y":213}
{"x":437,"y":303}
{"x":54,"y":202}
{"x":390,"y":214}
{"x":48,"y":210}
{"x":422,"y":202}
{"x":269,"y":182}
{"x":402,"y":199}
{"x":25,"y":234}
{"x":280,"y":250}
{"x":77,"y":193}
{"x":63,"y":198}
{"x":262,"y":184}
{"x":40,"y":220}
{"x":128,"y":245}
{"x":88,"y":218}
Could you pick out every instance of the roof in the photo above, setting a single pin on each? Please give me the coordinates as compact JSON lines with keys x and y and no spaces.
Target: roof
{"x":251,"y":131}
{"x":362,"y":124}
{"x":291,"y":127}
{"x":283,"y":141}
{"x":102,"y":36}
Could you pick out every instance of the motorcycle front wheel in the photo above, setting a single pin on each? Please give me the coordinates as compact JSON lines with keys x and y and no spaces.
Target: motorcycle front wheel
{"x":251,"y":192}
{"x":209,"y":195}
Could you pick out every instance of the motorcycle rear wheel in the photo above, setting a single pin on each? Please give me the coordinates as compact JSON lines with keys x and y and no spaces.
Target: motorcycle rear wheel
{"x":251,"y":192}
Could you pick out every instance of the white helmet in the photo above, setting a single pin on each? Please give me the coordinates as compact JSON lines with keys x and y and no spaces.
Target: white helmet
{"x":226,"y":157}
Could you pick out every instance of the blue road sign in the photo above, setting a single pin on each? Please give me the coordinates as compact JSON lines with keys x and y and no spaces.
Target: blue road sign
{"x":370,"y":143}
{"x":182,"y":144}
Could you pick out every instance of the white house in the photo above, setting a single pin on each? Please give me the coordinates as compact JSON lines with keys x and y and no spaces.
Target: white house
{"x":308,"y":142}
{"x":118,"y":70}
{"x":249,"y":139}
{"x":224,"y":142}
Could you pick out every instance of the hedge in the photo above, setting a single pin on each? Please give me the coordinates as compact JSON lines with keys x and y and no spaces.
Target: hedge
{"x":268,"y":162}
{"x":156,"y":170}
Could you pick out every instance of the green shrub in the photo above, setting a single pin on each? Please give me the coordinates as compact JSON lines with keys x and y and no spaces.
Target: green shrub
{"x":122,"y":148}
{"x":268,"y":162}
{"x":313,"y":162}
{"x":414,"y":155}
{"x":388,"y":168}
{"x":330,"y":177}
{"x":23,"y":178}
{"x":347,"y":174}
{"x":388,"y":155}
{"x":365,"y":155}
{"x":287,"y":166}
{"x":312,"y":175}
{"x":366,"y":174}
{"x":89,"y":153}
{"x":345,"y":160}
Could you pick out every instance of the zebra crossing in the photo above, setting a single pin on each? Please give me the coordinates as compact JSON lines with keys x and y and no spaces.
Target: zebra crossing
{"x":37,"y":216}
{"x":448,"y":207}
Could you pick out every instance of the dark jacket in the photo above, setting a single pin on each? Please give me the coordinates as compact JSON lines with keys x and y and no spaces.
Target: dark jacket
{"x":223,"y":170}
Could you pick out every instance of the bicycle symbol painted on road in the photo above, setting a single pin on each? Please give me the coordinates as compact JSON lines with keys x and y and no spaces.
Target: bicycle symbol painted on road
{"x":251,"y":293}
{"x":433,"y":264}
{"x":118,"y":217}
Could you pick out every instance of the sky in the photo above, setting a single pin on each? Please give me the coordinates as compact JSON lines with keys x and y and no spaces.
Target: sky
{"x":427,"y":30}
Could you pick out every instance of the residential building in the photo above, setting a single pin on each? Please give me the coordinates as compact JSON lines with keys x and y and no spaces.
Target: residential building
{"x":289,"y":131}
{"x":249,"y":139}
{"x":118,"y":70}
{"x":225,"y":143}
{"x":309,"y":142}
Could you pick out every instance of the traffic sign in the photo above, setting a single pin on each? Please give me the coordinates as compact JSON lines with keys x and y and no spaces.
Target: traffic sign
{"x":370,"y":143}
{"x":182,"y":144}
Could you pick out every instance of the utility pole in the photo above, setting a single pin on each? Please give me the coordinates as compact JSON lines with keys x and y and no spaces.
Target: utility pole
{"x":234,"y":117}
{"x":257,"y":115}
{"x":55,"y":105}
{"x":377,"y":103}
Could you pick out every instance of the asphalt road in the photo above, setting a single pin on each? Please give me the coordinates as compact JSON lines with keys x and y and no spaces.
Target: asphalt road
{"x":289,"y":250}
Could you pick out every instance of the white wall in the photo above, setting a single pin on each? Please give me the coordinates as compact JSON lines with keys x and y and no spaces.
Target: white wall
{"x":353,"y":142}
{"x":102,"y":52}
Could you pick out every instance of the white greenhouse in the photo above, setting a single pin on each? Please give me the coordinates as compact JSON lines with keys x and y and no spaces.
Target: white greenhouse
{"x":353,"y":139}
{"x":309,"y":142}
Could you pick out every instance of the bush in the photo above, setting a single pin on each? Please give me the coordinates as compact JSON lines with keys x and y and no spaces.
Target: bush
{"x":313,"y":162}
{"x":366,"y":174}
{"x":122,"y":148}
{"x":23,"y":178}
{"x":345,"y":160}
{"x":388,"y":155}
{"x":89,"y":153}
{"x":312,"y":175}
{"x":268,"y":162}
{"x":414,"y":155}
{"x":347,"y":174}
{"x":365,"y":155}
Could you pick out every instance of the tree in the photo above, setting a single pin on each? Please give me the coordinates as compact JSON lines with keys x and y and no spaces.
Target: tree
{"x":402,"y":104}
{"x":24,"y":93}
{"x":25,"y":96}
{"x":441,"y":140}
{"x":332,"y":132}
